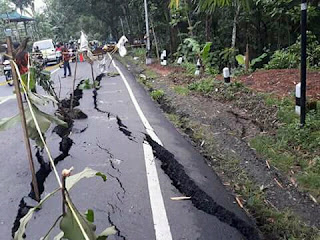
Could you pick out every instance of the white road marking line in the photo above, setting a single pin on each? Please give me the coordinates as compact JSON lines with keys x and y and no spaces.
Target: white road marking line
{"x":159,"y":214}
{"x":55,"y":71}
{"x":160,"y":220}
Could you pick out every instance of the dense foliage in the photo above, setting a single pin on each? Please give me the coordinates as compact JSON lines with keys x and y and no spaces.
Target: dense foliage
{"x":267,"y":26}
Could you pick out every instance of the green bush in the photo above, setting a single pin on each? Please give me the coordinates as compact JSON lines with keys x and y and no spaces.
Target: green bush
{"x":157,"y":95}
{"x":138,"y":52}
{"x":190,"y":67}
{"x":282,"y":59}
{"x":228,"y":57}
{"x":190,"y":48}
{"x":205,"y":86}
{"x":290,"y":57}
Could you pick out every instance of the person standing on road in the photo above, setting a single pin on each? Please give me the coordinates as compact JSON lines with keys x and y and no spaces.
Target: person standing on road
{"x":66,"y":59}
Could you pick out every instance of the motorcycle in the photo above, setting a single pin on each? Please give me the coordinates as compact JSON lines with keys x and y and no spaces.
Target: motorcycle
{"x":7,"y":72}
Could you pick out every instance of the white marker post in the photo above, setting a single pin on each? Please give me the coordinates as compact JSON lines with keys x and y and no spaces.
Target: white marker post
{"x":298,"y":99}
{"x":226,"y":75}
{"x":179,"y":61}
{"x":197,"y":72}
{"x":163,"y":58}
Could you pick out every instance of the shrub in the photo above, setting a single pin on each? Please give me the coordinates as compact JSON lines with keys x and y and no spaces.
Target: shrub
{"x":290,"y":57}
{"x":282,"y":59}
{"x":190,"y":67}
{"x":157,"y":95}
{"x":204,"y":86}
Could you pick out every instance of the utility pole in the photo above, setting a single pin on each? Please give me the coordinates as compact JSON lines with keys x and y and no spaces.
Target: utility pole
{"x":303,"y":71}
{"x":148,"y":57}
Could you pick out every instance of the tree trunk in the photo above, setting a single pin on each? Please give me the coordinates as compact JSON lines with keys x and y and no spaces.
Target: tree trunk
{"x":208,"y":27}
{"x":234,"y":30}
{"x":173,"y":30}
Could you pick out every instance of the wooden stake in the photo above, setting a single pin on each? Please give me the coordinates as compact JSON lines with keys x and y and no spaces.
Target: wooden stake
{"x":74,"y":82}
{"x":63,"y":190}
{"x":23,"y":121}
{"x":92,"y":73}
{"x":65,"y":173}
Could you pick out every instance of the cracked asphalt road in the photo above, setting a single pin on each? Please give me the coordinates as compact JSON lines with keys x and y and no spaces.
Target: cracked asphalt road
{"x":111,"y":140}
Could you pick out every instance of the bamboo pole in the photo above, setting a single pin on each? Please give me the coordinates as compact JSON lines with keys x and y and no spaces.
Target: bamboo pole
{"x":92,"y":73}
{"x":23,"y":121}
{"x":74,"y":82}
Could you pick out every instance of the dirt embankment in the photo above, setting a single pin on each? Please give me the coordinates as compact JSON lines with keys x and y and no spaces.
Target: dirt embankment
{"x":282,"y":82}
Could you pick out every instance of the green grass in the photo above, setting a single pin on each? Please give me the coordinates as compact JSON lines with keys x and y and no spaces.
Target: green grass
{"x":181,"y":90}
{"x":150,"y":74}
{"x":190,"y":67}
{"x":157,"y":95}
{"x":204,"y":86}
{"x":294,"y":148}
{"x":138,"y":52}
{"x":268,"y":147}
{"x":274,"y":224}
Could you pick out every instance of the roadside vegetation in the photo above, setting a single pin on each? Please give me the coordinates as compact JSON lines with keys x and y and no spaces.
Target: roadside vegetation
{"x":282,"y":143}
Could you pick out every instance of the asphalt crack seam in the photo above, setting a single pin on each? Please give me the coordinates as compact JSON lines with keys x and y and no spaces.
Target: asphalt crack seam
{"x":118,"y":180}
{"x":119,"y":234}
{"x":200,"y":199}
{"x":115,"y":208}
{"x":123,"y":128}
{"x":41,"y":176}
{"x":45,"y":169}
{"x":111,"y":157}
{"x":95,"y":95}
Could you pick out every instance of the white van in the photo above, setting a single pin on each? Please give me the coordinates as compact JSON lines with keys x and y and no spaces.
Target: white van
{"x":48,"y":50}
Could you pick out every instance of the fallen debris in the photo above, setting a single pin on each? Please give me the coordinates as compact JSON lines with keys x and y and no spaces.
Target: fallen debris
{"x":279,"y":184}
{"x":268,"y":165}
{"x":239,"y":202}
{"x":112,"y":74}
{"x":180,"y":198}
{"x":313,"y":198}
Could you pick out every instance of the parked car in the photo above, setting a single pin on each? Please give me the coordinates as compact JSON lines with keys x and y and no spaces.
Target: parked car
{"x":48,"y":50}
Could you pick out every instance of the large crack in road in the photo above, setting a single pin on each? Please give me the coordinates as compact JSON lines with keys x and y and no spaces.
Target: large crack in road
{"x":45,"y":168}
{"x":200,"y":199}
